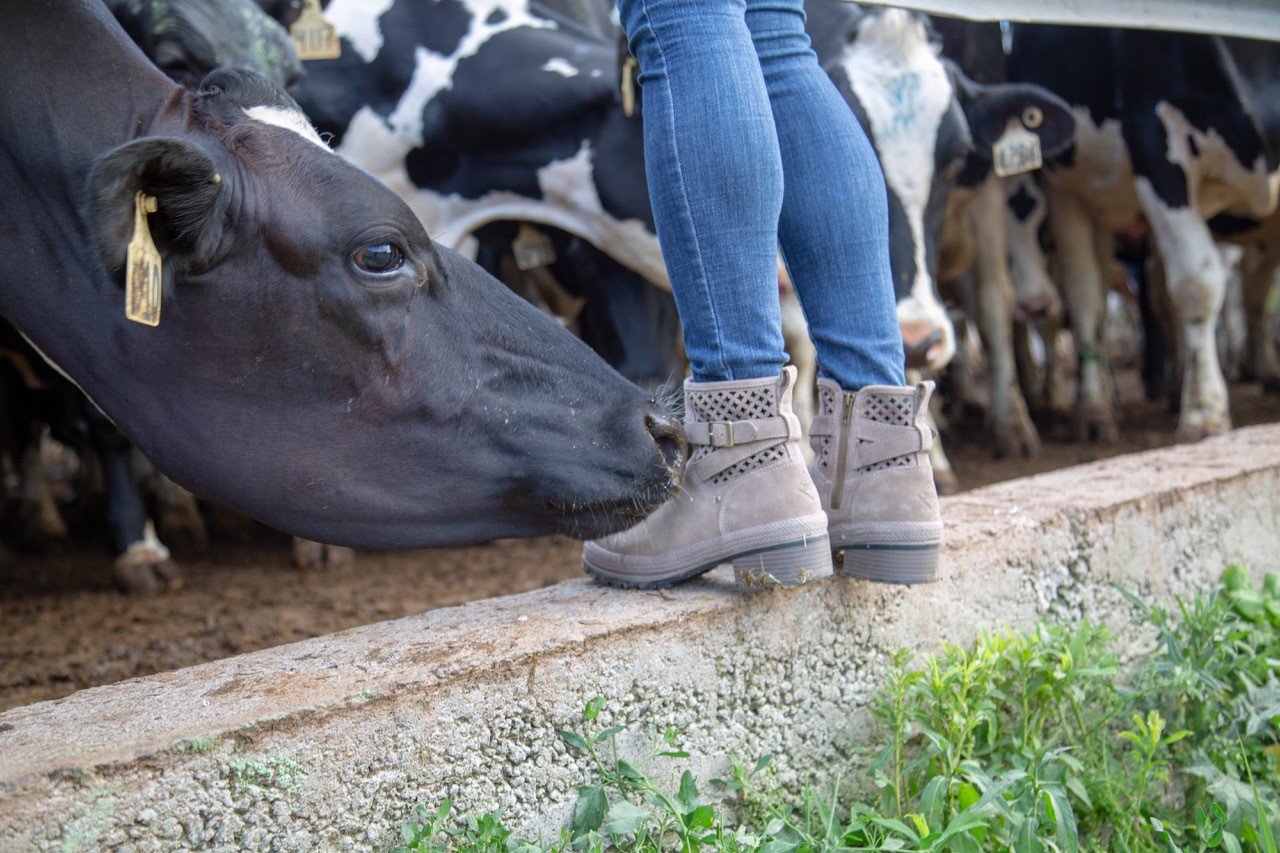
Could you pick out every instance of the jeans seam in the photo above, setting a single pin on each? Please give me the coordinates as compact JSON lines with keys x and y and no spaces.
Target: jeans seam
{"x":684,"y":194}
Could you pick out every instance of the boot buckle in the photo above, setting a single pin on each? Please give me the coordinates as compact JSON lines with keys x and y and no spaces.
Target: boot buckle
{"x":720,"y":433}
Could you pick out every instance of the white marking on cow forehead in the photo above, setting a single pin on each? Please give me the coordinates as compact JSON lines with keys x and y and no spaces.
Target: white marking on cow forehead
{"x":357,"y":22}
{"x":292,"y":120}
{"x":904,"y":90}
{"x":561,"y":66}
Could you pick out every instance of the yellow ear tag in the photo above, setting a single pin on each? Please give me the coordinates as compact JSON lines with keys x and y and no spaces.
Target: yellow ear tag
{"x":532,"y":248}
{"x":1016,"y":151}
{"x":628,"y":86}
{"x":144,"y":271}
{"x":315,"y":37}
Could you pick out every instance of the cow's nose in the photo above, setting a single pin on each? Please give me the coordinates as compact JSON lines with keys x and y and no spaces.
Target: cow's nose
{"x":668,"y":434}
{"x":922,"y":344}
{"x":1037,"y":307}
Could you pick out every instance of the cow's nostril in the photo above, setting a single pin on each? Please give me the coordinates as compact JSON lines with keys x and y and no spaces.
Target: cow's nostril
{"x":918,"y":352}
{"x":669,"y":436}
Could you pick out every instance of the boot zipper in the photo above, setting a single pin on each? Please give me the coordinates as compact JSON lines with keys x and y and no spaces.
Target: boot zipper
{"x":842,"y":452}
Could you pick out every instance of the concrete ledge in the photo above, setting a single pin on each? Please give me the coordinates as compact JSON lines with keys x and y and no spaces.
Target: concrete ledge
{"x":329,"y":743}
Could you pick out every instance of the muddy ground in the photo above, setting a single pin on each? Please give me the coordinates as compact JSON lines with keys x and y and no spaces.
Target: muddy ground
{"x":63,"y":627}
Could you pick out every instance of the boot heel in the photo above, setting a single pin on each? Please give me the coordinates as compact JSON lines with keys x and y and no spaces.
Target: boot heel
{"x":902,"y":564}
{"x":784,"y":565}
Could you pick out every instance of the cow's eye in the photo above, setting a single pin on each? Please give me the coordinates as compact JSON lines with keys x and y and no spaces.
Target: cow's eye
{"x":378,"y":258}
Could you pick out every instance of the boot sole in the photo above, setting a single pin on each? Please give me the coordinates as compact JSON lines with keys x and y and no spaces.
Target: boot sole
{"x":785,"y":564}
{"x":898,"y":563}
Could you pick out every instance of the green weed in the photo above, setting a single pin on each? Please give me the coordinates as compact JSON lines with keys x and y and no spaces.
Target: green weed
{"x":1032,"y":741}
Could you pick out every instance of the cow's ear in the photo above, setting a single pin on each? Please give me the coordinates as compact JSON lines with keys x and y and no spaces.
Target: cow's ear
{"x":989,"y":109}
{"x":186,"y":185}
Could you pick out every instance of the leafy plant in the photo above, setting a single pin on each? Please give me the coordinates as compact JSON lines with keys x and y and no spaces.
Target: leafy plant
{"x":1032,"y":741}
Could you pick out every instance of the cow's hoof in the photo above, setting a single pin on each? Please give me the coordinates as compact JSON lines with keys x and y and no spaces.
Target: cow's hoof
{"x":1017,"y":439}
{"x":1096,"y":427}
{"x":43,"y":525}
{"x":309,"y":555}
{"x":146,"y":568}
{"x":945,"y":482}
{"x":1194,"y":426}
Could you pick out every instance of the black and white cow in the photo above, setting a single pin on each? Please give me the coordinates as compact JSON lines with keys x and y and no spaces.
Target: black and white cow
{"x":480,"y":111}
{"x":934,"y":129}
{"x":319,"y":363}
{"x":1178,"y":128}
{"x":1010,"y":289}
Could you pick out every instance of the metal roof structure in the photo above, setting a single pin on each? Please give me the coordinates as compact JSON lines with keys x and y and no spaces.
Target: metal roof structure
{"x":1258,"y":19}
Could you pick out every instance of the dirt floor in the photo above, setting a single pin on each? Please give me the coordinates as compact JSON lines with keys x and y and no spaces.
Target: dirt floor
{"x":63,"y":627}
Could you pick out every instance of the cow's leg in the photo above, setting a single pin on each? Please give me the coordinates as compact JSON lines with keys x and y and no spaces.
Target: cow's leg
{"x":1197,"y":281}
{"x":178,"y":515}
{"x":1015,"y":435}
{"x":41,"y":520}
{"x":142,"y":562}
{"x":316,"y":555}
{"x":795,"y":336}
{"x":944,"y":476}
{"x":1233,"y":331}
{"x":1259,"y":270}
{"x":1164,"y":345}
{"x":1084,"y":290}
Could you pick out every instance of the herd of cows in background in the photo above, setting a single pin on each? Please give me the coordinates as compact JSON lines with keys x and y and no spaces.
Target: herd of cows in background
{"x":502,"y":125}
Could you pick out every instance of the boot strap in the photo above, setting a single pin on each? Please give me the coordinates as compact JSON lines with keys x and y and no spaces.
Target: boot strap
{"x":724,"y":434}
{"x":888,"y":441}
{"x":735,"y":441}
{"x":823,"y":425}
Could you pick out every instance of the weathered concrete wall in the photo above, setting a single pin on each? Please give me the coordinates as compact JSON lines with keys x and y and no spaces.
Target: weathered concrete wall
{"x":329,"y":743}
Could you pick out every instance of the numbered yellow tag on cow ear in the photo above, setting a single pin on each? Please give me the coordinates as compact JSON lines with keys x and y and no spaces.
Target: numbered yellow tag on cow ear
{"x":144,"y":270}
{"x":315,"y":37}
{"x":1016,"y":151}
{"x":532,"y":248}
{"x":629,"y":86}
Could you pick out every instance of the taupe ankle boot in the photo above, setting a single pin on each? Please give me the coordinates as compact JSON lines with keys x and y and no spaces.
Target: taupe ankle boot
{"x":746,"y":498}
{"x":871,"y":466}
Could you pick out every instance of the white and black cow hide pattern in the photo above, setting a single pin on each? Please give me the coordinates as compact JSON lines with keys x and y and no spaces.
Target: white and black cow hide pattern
{"x":479,"y":111}
{"x":1179,"y":128}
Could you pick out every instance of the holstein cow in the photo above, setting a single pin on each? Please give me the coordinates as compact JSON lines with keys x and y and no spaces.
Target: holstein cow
{"x":1175,"y":127}
{"x":318,"y":363}
{"x":419,"y":99}
{"x":1009,"y":288}
{"x":931,"y":127}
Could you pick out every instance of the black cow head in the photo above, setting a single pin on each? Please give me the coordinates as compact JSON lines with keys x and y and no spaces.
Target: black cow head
{"x":188,"y":38}
{"x":321,"y":364}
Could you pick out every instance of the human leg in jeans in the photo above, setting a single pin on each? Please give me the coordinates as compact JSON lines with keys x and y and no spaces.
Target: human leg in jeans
{"x":717,"y":159}
{"x":879,"y":495}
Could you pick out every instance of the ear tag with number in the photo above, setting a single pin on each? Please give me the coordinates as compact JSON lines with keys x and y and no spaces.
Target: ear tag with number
{"x":629,"y":86}
{"x":532,"y":248}
{"x":315,"y":37}
{"x":144,"y":270}
{"x":1016,"y":151}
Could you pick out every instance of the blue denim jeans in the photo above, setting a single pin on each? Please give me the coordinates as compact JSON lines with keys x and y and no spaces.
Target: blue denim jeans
{"x":749,"y":146}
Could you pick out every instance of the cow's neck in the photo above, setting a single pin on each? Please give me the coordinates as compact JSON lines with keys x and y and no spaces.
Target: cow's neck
{"x":75,"y":86}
